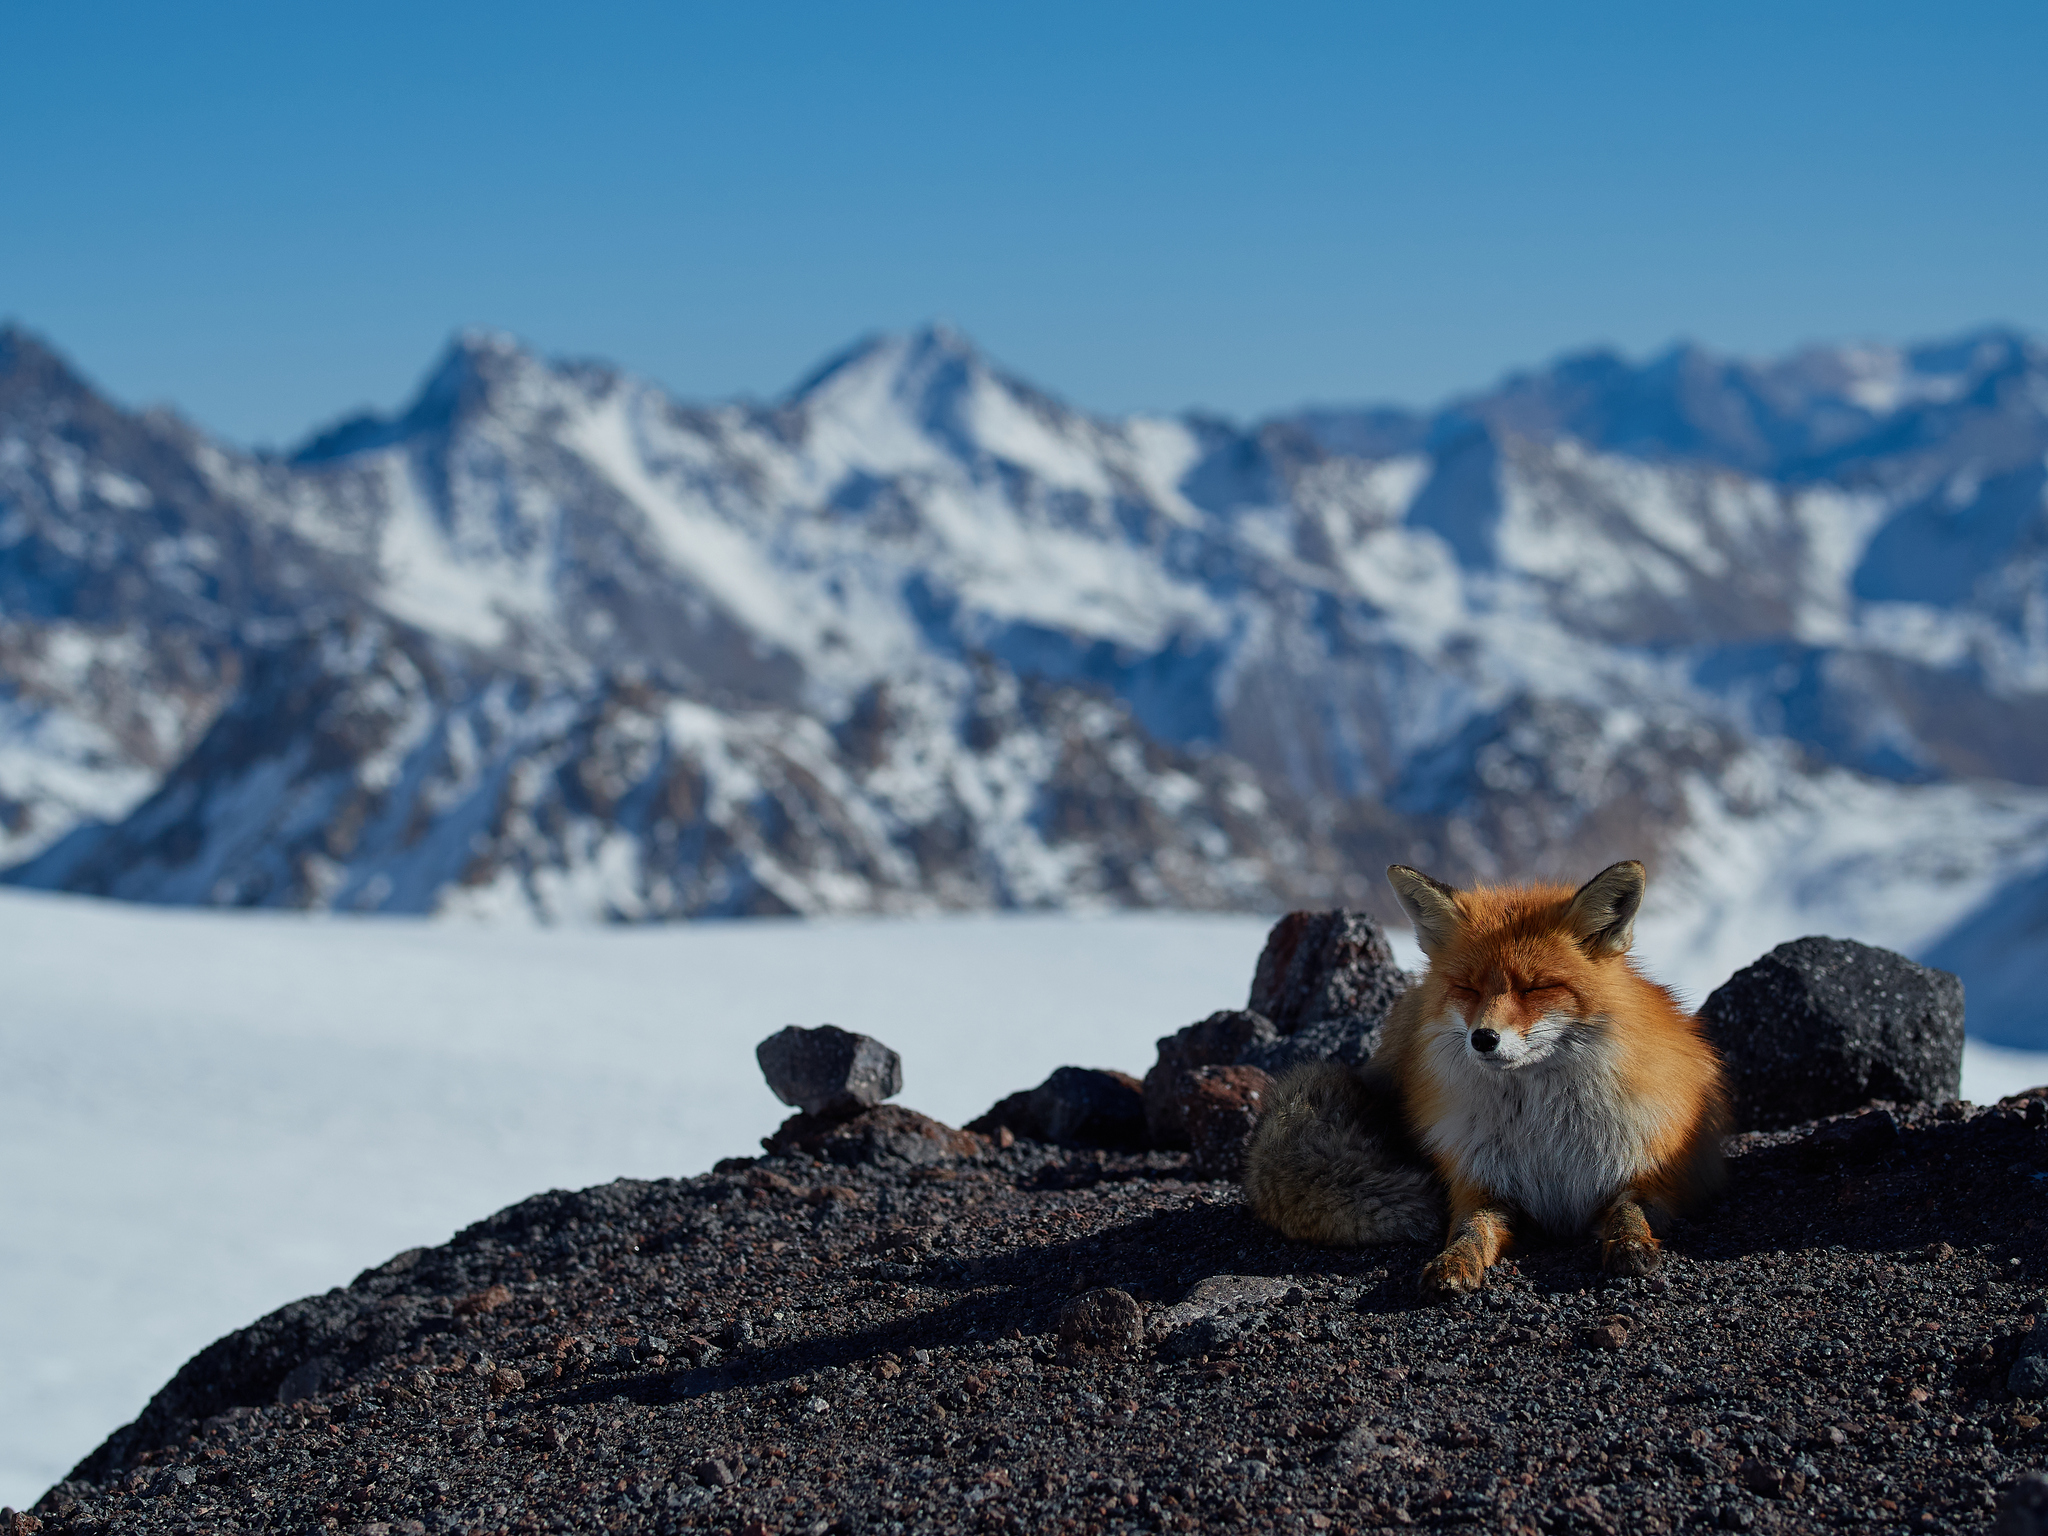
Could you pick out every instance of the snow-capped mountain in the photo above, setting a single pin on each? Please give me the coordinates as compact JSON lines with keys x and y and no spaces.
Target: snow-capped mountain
{"x":920,"y":635}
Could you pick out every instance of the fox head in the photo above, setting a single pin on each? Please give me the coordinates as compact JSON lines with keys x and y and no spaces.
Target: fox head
{"x":1522,"y":970}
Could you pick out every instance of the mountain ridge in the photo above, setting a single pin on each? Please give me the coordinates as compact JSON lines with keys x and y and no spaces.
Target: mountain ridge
{"x":921,"y":635}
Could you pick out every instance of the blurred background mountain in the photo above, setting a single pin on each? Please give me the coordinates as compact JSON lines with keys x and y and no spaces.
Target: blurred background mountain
{"x":1119,"y":621}
{"x":917,"y":635}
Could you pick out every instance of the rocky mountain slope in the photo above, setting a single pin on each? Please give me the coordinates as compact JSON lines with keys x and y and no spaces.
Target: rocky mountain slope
{"x":915,"y":1332}
{"x":1064,"y":1317}
{"x":919,"y":635}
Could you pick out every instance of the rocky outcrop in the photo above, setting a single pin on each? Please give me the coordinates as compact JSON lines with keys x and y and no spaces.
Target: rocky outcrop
{"x":1321,"y":992}
{"x":1038,"y":1336}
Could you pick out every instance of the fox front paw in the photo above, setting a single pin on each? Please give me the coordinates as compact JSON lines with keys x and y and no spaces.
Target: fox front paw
{"x":1631,"y":1256}
{"x":1453,"y":1273}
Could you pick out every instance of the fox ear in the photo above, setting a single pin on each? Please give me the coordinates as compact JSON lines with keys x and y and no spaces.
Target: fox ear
{"x":1603,"y":911}
{"x":1431,"y":906}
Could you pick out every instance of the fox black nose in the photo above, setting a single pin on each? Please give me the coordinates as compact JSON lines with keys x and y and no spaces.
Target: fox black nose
{"x":1484,"y":1040}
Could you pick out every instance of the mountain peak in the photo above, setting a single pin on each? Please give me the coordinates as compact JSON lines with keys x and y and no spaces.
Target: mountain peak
{"x":473,"y":368}
{"x":902,"y":363}
{"x":30,"y":364}
{"x":476,"y":371}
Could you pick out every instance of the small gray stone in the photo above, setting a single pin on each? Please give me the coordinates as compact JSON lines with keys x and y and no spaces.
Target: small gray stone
{"x":1209,"y":1335}
{"x":1819,"y":1026}
{"x":1213,"y":1297}
{"x":1213,"y":1313}
{"x":828,"y":1070}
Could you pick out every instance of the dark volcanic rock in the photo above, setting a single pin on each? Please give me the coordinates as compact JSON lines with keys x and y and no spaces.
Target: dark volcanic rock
{"x":1219,"y":1040}
{"x":886,"y":1136}
{"x":829,"y":1070}
{"x":2029,"y":1375}
{"x":1010,"y":1113}
{"x":1326,"y":980}
{"x":1220,"y":1106}
{"x":1102,"y":1319}
{"x":1861,"y":1138}
{"x":1090,"y":1107}
{"x":1075,"y":1107}
{"x":1323,"y":965}
{"x":1819,"y":1026}
{"x":1324,"y":983}
{"x":2023,"y":1511}
{"x":889,"y":1356}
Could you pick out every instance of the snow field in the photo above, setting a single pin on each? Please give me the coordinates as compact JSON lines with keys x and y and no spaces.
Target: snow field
{"x":206,"y":1114}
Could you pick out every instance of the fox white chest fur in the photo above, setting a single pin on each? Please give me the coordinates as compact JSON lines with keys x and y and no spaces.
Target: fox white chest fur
{"x":1556,"y":1137}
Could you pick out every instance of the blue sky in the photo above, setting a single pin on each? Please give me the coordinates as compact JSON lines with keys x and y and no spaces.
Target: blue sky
{"x":271,"y":213}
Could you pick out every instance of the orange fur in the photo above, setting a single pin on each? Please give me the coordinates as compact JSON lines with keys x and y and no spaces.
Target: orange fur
{"x":1545,"y":969}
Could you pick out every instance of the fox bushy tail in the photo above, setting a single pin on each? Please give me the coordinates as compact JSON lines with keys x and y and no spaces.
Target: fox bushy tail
{"x":1331,"y":1162}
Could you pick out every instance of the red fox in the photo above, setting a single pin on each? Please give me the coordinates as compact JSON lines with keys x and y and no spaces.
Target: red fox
{"x":1546,"y":1080}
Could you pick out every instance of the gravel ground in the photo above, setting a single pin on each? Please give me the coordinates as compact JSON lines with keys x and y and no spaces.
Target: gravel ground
{"x":799,"y":1346}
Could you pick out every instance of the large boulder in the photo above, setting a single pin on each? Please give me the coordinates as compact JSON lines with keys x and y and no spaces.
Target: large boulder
{"x":829,"y":1071}
{"x":1220,"y":1040}
{"x":1819,"y":1026}
{"x":1326,"y":980}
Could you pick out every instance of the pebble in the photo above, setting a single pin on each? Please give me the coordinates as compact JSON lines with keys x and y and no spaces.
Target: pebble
{"x":1611,"y":1334}
{"x":1102,"y":1320}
